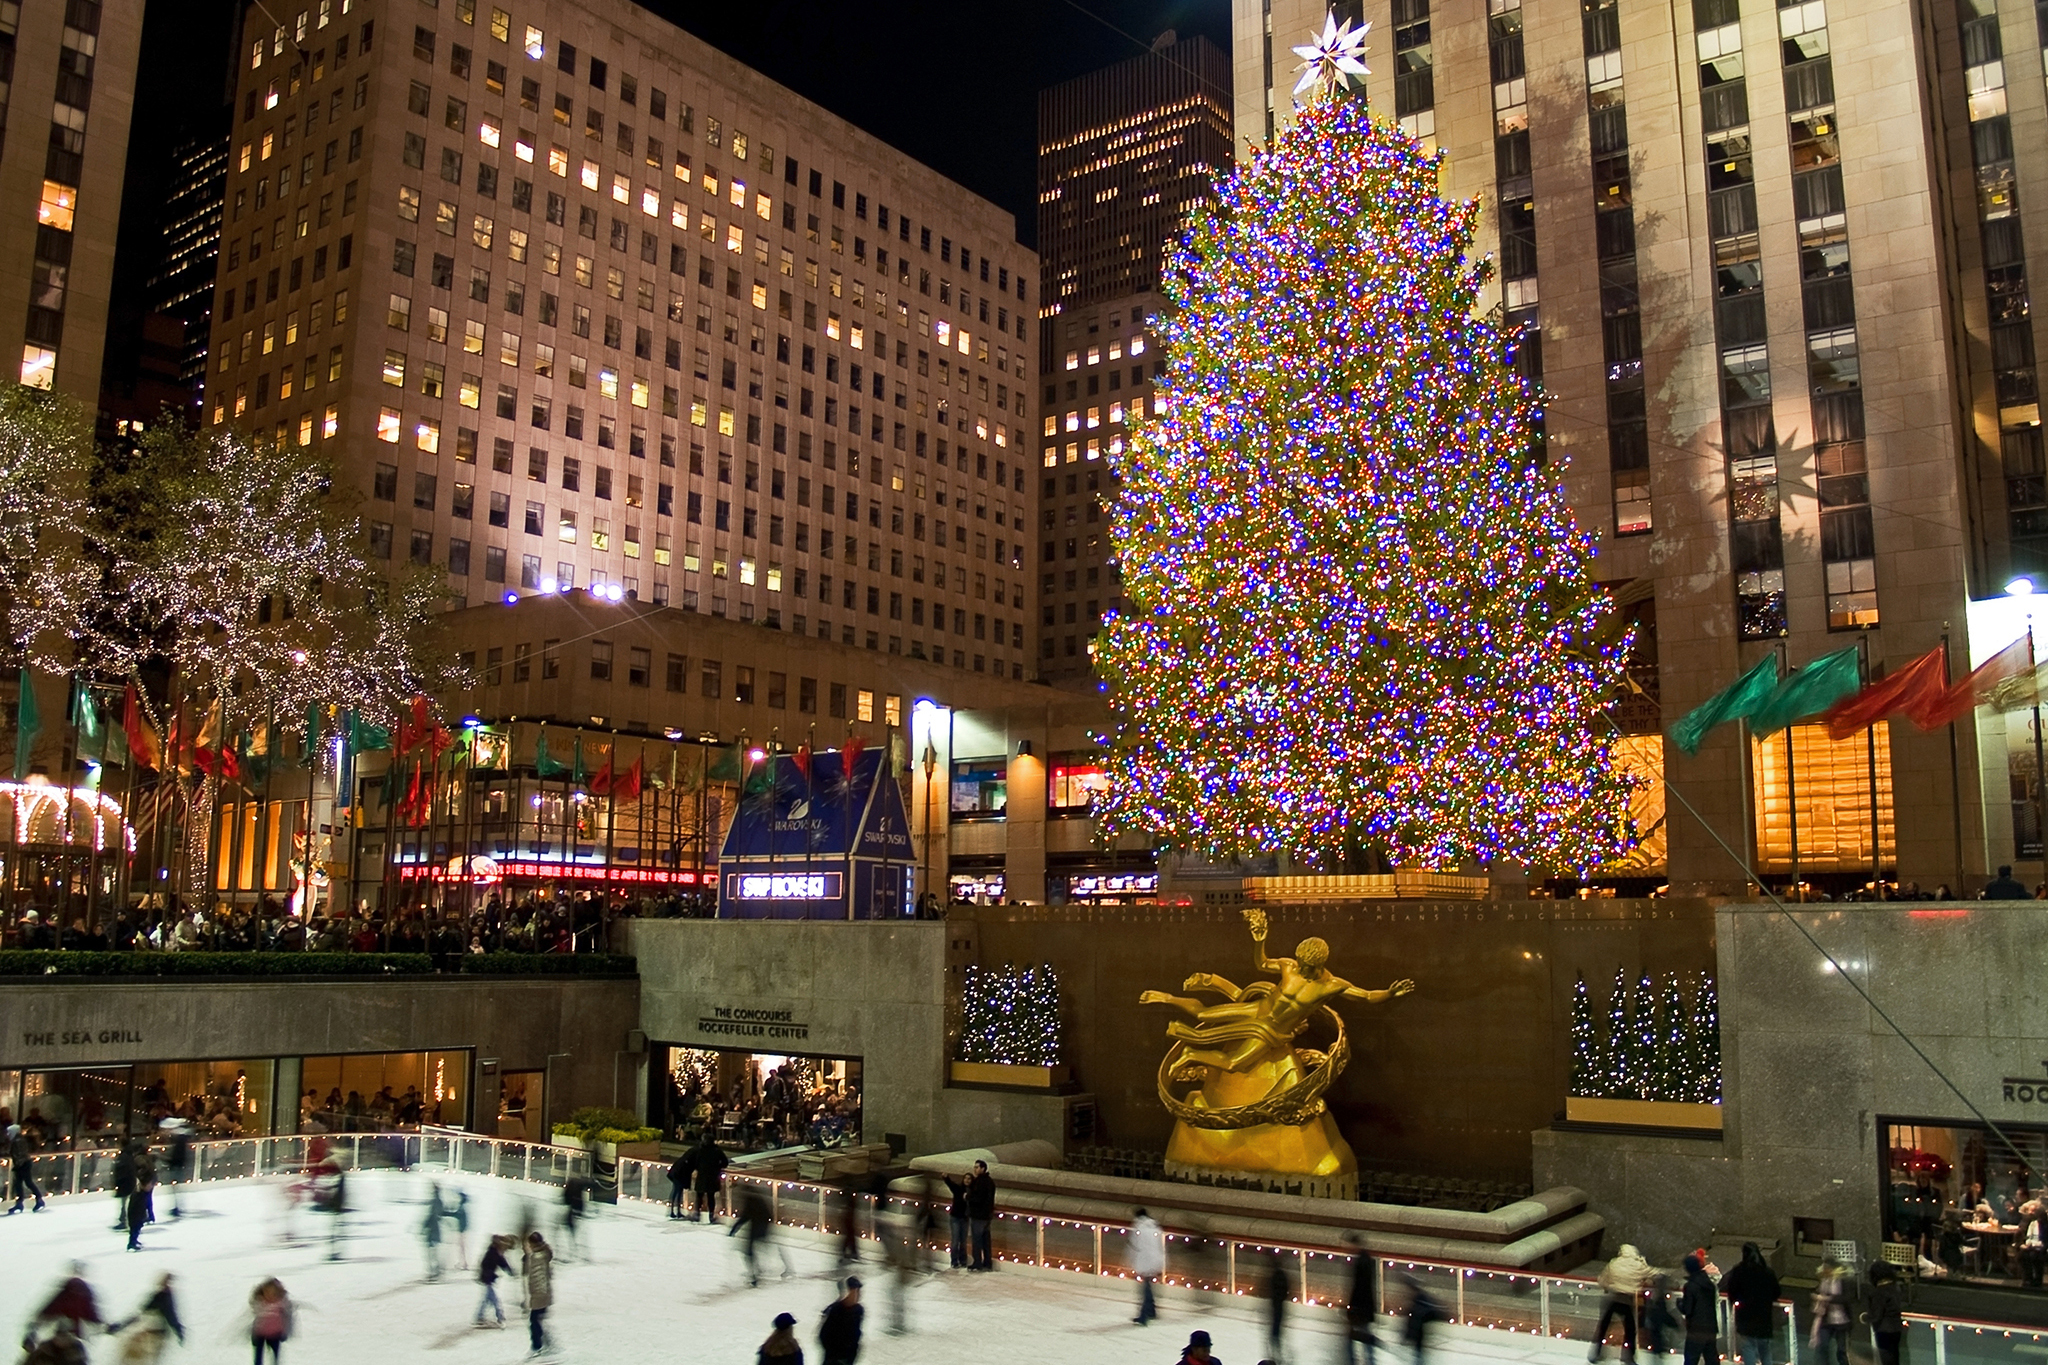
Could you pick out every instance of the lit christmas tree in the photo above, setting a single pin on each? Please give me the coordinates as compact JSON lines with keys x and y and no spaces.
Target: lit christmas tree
{"x":1706,"y":1031}
{"x":1586,"y":1048}
{"x":1010,"y":1015}
{"x":1360,"y":611}
{"x":1643,"y":1040}
{"x":1620,"y":1059}
{"x":1671,"y":1079}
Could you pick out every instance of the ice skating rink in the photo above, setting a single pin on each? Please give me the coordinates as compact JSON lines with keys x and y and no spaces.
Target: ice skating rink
{"x":643,"y":1288}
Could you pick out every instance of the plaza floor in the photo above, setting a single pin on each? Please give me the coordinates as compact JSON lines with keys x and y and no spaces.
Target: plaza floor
{"x":643,"y":1288}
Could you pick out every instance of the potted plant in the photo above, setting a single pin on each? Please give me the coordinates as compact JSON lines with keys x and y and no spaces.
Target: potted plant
{"x":608,"y":1135}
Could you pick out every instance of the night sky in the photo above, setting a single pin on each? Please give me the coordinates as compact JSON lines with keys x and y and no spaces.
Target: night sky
{"x":955,"y":85}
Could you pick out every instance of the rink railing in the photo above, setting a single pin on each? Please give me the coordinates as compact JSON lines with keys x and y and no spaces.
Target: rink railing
{"x":1488,"y":1297}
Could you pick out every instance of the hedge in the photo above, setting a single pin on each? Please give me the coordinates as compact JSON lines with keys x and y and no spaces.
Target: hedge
{"x":44,"y":963}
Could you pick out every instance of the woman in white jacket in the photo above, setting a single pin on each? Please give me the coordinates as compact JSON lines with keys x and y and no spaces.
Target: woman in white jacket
{"x":1148,"y":1261}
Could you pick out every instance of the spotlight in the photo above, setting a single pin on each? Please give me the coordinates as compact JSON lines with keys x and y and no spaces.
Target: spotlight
{"x":2020,"y":587}
{"x":511,"y":599}
{"x":547,"y":585}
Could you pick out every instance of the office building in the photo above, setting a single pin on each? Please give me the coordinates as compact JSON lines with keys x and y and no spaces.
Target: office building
{"x":77,"y":60}
{"x":182,"y":282}
{"x":1125,"y":155}
{"x":1770,"y":268}
{"x":573,"y":307}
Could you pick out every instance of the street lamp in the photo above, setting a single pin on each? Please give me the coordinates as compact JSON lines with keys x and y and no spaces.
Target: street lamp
{"x":931,"y":765}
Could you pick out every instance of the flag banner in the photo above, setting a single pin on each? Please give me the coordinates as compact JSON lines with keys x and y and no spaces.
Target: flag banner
{"x":1810,"y":691}
{"x":626,"y":787}
{"x":143,"y":741}
{"x":2018,"y":693}
{"x":545,"y":764}
{"x":28,"y":723}
{"x":1738,"y":702}
{"x":1904,"y":688}
{"x":2007,"y":665}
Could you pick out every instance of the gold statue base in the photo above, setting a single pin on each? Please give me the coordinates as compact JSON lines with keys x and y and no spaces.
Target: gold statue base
{"x":1310,"y":1159}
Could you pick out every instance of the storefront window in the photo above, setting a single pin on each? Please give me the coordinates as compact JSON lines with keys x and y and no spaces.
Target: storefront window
{"x":384,"y":1092}
{"x":1968,"y":1201}
{"x":1113,"y":886}
{"x":980,"y":788}
{"x":79,"y":1108}
{"x":1073,"y":783}
{"x":978,"y":888}
{"x":756,"y":1101}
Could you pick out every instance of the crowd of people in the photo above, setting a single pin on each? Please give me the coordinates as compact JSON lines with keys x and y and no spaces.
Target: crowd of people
{"x":791,"y":1105}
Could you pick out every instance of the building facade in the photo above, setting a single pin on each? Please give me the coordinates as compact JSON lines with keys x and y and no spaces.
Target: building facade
{"x":1775,"y":296}
{"x":572,"y":307}
{"x":77,"y":60}
{"x":1125,"y":155}
{"x":182,"y":283}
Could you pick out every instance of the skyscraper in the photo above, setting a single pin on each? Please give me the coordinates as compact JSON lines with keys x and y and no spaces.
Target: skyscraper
{"x":576,"y":300}
{"x":1125,"y":155}
{"x":183,"y":280}
{"x":63,"y":175}
{"x":1777,"y":305}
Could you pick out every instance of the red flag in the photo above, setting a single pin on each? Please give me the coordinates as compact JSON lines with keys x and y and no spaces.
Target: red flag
{"x":627,"y":788}
{"x":1958,"y":701}
{"x":849,"y":755}
{"x":418,"y":729}
{"x":1916,"y":685}
{"x":143,"y":743}
{"x":601,"y":780}
{"x":802,"y":758}
{"x":408,"y":809}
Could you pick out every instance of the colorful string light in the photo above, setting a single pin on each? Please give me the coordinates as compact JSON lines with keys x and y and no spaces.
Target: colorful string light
{"x":1361,"y":613}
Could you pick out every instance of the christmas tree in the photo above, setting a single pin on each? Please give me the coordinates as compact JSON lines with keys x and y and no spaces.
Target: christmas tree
{"x":1706,"y":1030}
{"x":1586,"y":1049}
{"x":1010,"y":1015}
{"x":1617,"y":1075}
{"x":1360,"y":611}
{"x":1643,"y":1040}
{"x":1671,"y":1079}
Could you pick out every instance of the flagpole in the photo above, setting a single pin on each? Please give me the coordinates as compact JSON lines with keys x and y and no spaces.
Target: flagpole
{"x":1791,"y":785}
{"x":124,"y":876}
{"x":69,"y":796}
{"x":1955,"y":780}
{"x":2040,"y":789}
{"x":1876,"y":836}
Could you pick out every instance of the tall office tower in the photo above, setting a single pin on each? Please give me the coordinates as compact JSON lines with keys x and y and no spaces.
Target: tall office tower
{"x":1125,"y":155}
{"x":182,"y":283}
{"x":577,"y":301}
{"x":1722,"y":233}
{"x":77,"y":60}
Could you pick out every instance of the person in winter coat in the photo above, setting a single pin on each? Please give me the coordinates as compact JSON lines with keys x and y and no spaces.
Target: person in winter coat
{"x":678,"y":1184}
{"x":1699,"y":1308}
{"x":494,"y":1264}
{"x":1148,"y":1262}
{"x":781,"y":1347}
{"x":430,"y":1231}
{"x":538,"y":1270}
{"x":707,"y":1173}
{"x":1657,"y":1324}
{"x":1752,"y":1286}
{"x":124,"y":1182}
{"x":141,"y":1199}
{"x":981,"y":1214}
{"x":958,"y":1213}
{"x":73,"y":1303}
{"x":1279,"y":1289}
{"x":1363,"y":1310}
{"x":1830,"y":1336}
{"x":1423,"y":1313}
{"x":21,"y":1164}
{"x":144,"y":1335}
{"x":1887,"y":1312}
{"x":1196,"y":1352}
{"x":1621,"y":1280}
{"x":270,"y":1319}
{"x":839,"y":1329}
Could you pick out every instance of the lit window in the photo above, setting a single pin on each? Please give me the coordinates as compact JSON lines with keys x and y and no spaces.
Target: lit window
{"x":589,"y":175}
{"x":736,"y":191}
{"x":38,"y":367}
{"x":943,"y":330}
{"x":533,"y":42}
{"x":330,"y":422}
{"x":678,"y":216}
{"x":305,"y":428}
{"x":622,"y":189}
{"x":650,"y":203}
{"x":59,"y":204}
{"x":522,"y":148}
{"x":775,"y":580}
{"x":558,"y":159}
{"x":1137,"y":345}
{"x":735,"y":240}
{"x":856,"y":337}
{"x":1073,"y":360}
{"x":394,"y":368}
{"x":963,"y":342}
{"x":639,"y":393}
{"x":1094,"y":355}
{"x":565,"y":530}
{"x":470,"y":391}
{"x":725,"y":421}
{"x":608,"y":382}
{"x":746,"y":573}
{"x":1116,"y":412}
{"x":832,"y":326}
{"x":427,"y":435}
{"x":1073,"y":421}
{"x":489,"y":133}
{"x":388,"y":423}
{"x":246,"y":152}
{"x":762,"y":207}
{"x":1094,"y":418}
{"x":864,"y":705}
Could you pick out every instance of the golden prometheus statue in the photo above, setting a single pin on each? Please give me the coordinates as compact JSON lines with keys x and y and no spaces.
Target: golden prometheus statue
{"x":1258,"y":1109}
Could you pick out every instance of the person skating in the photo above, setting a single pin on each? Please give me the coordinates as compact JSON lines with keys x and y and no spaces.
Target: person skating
{"x":575,"y":1208}
{"x":958,"y":1214}
{"x":21,"y":1163}
{"x":145,"y":1334}
{"x":781,"y":1348}
{"x":538,"y":1270}
{"x":1148,"y":1262}
{"x":756,"y":1220}
{"x":1279,"y":1289}
{"x":1424,"y":1312}
{"x":72,"y":1305}
{"x":1752,"y":1286}
{"x":141,"y":1199}
{"x":1657,"y":1324}
{"x":1196,"y":1352}
{"x":430,"y":1231}
{"x":1887,"y":1312}
{"x":1361,"y":1312}
{"x":1699,"y":1311}
{"x":839,"y":1328}
{"x":981,"y":1213}
{"x":1830,"y":1335}
{"x":678,"y":1184}
{"x":177,"y":1159}
{"x":270,"y":1320}
{"x":124,"y":1182}
{"x":707,"y":1173}
{"x":494,"y":1265}
{"x":458,"y":1214}
{"x":1621,"y":1280}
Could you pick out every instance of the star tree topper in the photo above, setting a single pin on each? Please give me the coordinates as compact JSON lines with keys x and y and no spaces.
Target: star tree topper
{"x":1338,"y":51}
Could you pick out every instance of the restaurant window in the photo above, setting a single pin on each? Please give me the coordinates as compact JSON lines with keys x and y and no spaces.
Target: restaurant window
{"x":980,"y":788}
{"x":1074,"y":781}
{"x":1830,"y":794}
{"x":1960,"y":1193}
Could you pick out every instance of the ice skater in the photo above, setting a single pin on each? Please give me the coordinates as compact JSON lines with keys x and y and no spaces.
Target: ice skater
{"x":1196,"y":1352}
{"x":707,"y":1174}
{"x":781,"y":1348}
{"x":1148,"y":1262}
{"x":678,"y":1184}
{"x":21,"y":1164}
{"x":430,"y":1231}
{"x":144,"y":1336}
{"x":755,"y":1219}
{"x":839,"y":1328}
{"x":177,"y":1160}
{"x":1362,"y":1312}
{"x":141,"y":1198}
{"x":494,"y":1265}
{"x":575,"y":1209}
{"x":1279,"y":1288}
{"x":330,"y":1196}
{"x":124,"y":1182}
{"x":537,"y":1269}
{"x":270,"y":1319}
{"x":458,"y":1214}
{"x":1424,"y":1312}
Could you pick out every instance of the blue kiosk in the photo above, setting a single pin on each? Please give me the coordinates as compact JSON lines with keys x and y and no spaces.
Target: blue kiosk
{"x":819,"y":845}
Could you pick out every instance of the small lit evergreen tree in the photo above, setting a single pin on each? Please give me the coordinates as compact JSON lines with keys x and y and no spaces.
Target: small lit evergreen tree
{"x":1586,"y":1049}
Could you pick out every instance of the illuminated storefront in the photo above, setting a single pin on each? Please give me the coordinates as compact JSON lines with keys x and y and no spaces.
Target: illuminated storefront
{"x":755,"y":1101}
{"x":1965,"y":1198}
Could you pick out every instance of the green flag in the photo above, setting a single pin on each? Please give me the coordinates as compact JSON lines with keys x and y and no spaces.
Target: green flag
{"x":761,"y":777}
{"x":28,"y":723}
{"x":545,"y":764}
{"x":578,"y":774}
{"x":725,"y":767}
{"x":1750,"y":691}
{"x":91,"y":728}
{"x":309,"y":752}
{"x":364,"y":737}
{"x":1810,"y":691}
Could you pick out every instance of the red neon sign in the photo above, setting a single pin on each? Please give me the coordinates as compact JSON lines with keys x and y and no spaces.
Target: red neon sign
{"x":562,"y":872}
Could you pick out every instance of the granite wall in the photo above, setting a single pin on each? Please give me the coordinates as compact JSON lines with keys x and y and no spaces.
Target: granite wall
{"x":1811,"y":1071}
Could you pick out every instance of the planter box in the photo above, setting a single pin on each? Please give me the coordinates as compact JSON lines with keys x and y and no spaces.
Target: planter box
{"x":1002,"y":1073}
{"x":1643,"y":1113}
